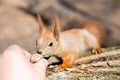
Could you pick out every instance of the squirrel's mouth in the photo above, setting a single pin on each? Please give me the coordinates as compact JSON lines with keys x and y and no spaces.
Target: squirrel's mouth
{"x":46,"y":57}
{"x":53,"y":59}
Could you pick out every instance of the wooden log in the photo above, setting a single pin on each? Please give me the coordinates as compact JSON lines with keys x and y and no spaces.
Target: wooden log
{"x":92,"y":57}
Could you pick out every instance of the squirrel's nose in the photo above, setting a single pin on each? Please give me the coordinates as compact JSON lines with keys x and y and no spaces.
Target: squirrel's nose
{"x":39,"y":52}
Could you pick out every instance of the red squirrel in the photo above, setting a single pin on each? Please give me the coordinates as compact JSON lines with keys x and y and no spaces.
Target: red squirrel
{"x":69,"y":44}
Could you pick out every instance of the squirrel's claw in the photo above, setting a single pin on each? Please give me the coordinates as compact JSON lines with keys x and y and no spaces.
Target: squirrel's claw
{"x":58,"y":69}
{"x":61,"y":67}
{"x":98,"y":50}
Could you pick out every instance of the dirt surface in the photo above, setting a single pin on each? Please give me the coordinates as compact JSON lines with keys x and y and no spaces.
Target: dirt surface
{"x":102,"y":68}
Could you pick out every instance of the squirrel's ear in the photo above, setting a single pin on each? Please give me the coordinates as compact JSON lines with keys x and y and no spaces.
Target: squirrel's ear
{"x":41,"y":24}
{"x":56,"y":31}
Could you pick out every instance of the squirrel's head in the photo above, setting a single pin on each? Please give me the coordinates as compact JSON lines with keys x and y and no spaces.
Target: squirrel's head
{"x":48,"y":41}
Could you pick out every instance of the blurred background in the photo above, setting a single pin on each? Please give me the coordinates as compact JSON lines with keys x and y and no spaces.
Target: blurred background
{"x":18,"y":23}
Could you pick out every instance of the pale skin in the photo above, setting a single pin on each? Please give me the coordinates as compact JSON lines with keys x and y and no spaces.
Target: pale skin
{"x":15,"y":65}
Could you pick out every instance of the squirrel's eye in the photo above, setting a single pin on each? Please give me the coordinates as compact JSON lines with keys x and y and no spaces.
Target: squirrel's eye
{"x":51,"y":44}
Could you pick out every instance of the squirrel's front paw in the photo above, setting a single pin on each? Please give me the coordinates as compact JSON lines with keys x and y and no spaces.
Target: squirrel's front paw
{"x":58,"y":69}
{"x":61,"y":67}
{"x":98,"y":50}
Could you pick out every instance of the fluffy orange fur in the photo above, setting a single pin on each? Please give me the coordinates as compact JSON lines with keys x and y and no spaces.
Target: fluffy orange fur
{"x":69,"y":44}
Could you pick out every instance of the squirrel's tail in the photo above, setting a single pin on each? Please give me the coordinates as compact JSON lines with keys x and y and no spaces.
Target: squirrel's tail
{"x":95,"y":29}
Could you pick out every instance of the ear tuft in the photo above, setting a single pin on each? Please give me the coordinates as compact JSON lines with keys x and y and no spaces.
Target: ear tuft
{"x":41,"y":24}
{"x":57,"y":27}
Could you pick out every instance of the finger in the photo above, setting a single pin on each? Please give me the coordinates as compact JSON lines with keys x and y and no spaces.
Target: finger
{"x":40,"y":67}
{"x":41,"y":64}
{"x":15,"y":50}
{"x":26,"y":54}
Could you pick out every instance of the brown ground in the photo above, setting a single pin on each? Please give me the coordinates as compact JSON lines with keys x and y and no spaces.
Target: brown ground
{"x":105,"y":67}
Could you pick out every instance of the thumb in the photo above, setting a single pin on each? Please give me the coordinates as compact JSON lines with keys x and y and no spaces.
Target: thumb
{"x":40,"y":67}
{"x":41,"y":64}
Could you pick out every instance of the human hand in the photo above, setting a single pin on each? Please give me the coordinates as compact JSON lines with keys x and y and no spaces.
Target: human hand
{"x":15,"y":65}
